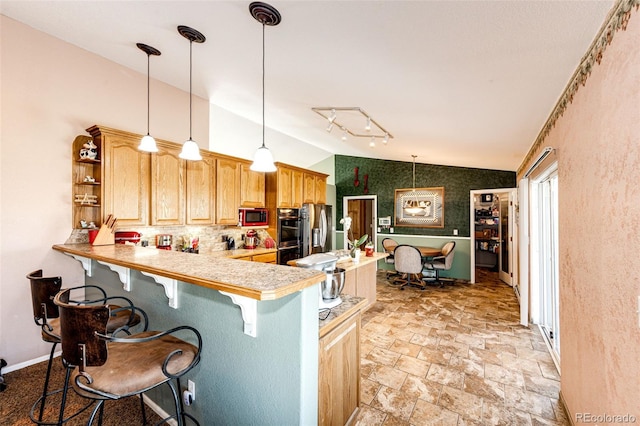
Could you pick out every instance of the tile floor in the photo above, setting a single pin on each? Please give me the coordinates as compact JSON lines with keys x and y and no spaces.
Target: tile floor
{"x":454,"y":356}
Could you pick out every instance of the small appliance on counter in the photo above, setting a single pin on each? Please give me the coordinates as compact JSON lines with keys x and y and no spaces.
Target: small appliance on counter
{"x":251,"y":240}
{"x":163,"y":241}
{"x":329,"y":289}
{"x":123,"y":237}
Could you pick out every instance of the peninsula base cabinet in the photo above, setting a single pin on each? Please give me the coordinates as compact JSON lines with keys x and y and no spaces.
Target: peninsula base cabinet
{"x":339,"y":373}
{"x":361,"y":281}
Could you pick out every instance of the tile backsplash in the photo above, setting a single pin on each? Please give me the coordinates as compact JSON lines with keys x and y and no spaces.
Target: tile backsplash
{"x":210,"y":237}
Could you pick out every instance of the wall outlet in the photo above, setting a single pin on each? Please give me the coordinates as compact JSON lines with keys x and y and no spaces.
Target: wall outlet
{"x":455,"y":232}
{"x":191,"y":387}
{"x":391,"y":229}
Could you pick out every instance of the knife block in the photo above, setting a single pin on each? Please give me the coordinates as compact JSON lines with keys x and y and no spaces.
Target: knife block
{"x":105,"y":237}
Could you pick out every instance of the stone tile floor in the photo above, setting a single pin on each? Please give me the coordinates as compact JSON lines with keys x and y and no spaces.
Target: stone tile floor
{"x":455,"y":355}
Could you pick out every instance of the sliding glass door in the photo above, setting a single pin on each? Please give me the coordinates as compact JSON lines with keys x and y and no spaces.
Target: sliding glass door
{"x":545,"y":259}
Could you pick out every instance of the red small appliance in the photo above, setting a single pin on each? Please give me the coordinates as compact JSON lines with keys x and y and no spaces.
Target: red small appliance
{"x":253,"y":217}
{"x":251,"y":239}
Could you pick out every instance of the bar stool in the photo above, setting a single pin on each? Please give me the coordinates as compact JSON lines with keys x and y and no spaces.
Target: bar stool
{"x":109,"y":368}
{"x":46,"y":316}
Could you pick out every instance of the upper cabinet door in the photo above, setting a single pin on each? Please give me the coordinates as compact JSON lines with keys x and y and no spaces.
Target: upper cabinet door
{"x":201,"y":185}
{"x":251,"y":187}
{"x":227,"y":191}
{"x":284,"y":182}
{"x":321,"y":190}
{"x":125,"y":179}
{"x":309,"y":188}
{"x":297,"y":188}
{"x":167,"y":186}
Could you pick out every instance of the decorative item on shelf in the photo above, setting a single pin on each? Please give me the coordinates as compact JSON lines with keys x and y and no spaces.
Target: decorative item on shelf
{"x":190,"y":149}
{"x":348,"y":118}
{"x":89,"y":151}
{"x":148,"y":143}
{"x":89,"y":179}
{"x":86,"y":199}
{"x":106,"y":234}
{"x":265,"y":14}
{"x":356,"y":181}
{"x":352,"y":244}
{"x":368,"y":249}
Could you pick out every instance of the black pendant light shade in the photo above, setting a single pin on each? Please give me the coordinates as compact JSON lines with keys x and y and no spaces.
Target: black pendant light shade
{"x":190,"y":149}
{"x":148,"y":143}
{"x":266,"y":15}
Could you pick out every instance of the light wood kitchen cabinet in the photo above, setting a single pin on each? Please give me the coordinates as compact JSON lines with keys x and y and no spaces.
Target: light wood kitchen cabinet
{"x":297,"y":188}
{"x":251,"y":187}
{"x":125,"y":176}
{"x":167,"y":186}
{"x":87,"y":182}
{"x":227,"y":191}
{"x":309,"y":195}
{"x":321,"y":190}
{"x":339,"y":373}
{"x":263,"y":257}
{"x":360,"y":280}
{"x":200,"y":188}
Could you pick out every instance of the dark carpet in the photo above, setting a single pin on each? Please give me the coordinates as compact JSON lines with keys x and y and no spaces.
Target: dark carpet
{"x":24,"y":387}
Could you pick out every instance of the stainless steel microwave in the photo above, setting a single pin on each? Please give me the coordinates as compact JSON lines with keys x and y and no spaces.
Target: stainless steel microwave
{"x":253,"y":217}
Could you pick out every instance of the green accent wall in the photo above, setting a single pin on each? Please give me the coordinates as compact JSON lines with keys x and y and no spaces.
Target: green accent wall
{"x":385,"y":176}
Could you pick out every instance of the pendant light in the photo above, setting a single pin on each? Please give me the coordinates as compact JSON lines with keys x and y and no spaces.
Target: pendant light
{"x":190,"y":149}
{"x":148,"y":143}
{"x":266,"y":15}
{"x":412,"y":206}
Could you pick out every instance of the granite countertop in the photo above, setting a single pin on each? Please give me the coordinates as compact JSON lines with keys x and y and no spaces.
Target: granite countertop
{"x":262,"y":281}
{"x":349,"y":306}
{"x":348,"y":264}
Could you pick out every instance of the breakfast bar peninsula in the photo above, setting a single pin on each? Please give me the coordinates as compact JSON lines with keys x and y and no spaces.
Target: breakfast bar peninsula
{"x":259,"y":324}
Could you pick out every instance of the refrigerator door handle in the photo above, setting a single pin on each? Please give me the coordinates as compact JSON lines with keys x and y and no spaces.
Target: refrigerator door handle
{"x":323,"y":228}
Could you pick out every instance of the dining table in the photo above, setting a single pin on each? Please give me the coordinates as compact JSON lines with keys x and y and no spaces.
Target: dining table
{"x":424,"y":250}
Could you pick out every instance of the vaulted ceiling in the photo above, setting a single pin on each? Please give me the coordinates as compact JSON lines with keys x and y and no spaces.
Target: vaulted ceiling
{"x":463,"y":83}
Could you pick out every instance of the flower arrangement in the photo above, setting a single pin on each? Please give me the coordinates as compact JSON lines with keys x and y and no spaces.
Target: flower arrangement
{"x":346,"y":222}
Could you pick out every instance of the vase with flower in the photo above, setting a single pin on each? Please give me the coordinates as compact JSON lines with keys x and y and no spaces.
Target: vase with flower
{"x":352,"y":244}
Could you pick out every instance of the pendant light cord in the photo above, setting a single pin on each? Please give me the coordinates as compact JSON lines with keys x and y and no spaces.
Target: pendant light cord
{"x":148,"y":99}
{"x":190,"y":90}
{"x":263,"y":85}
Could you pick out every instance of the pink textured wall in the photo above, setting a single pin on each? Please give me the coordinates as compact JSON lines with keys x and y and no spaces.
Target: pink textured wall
{"x":598,"y":150}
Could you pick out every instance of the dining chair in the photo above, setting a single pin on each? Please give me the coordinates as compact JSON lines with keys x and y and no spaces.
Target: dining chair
{"x":389,"y":244}
{"x":46,"y":315}
{"x":408,"y":261}
{"x":108,"y":367}
{"x":441,"y":263}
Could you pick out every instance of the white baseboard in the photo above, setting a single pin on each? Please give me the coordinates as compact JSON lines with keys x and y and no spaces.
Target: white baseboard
{"x":158,"y":410}
{"x":21,"y":365}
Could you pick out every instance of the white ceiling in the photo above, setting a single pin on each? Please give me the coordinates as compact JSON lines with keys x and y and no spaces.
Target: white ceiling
{"x":463,"y":83}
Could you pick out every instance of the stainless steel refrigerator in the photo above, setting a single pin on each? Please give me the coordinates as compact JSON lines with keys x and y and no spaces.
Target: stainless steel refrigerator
{"x":316,"y":228}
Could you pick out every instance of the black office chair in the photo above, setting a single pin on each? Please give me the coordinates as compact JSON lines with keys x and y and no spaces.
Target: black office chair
{"x":408,"y":261}
{"x":389,"y":244}
{"x":441,"y":263}
{"x":106,"y":367}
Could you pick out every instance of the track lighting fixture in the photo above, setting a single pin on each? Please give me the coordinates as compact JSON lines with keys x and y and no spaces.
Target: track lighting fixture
{"x":148,"y":143}
{"x":266,"y":15}
{"x":190,"y":149}
{"x":372,"y":144}
{"x":347,"y":118}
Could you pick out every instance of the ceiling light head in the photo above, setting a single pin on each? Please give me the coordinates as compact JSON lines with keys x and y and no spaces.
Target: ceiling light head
{"x":329,"y":127}
{"x":386,"y":138}
{"x":367,"y":126}
{"x":372,"y":144}
{"x":148,"y":143}
{"x":265,"y":14}
{"x":344,"y":134}
{"x":190,"y":149}
{"x":332,"y":116}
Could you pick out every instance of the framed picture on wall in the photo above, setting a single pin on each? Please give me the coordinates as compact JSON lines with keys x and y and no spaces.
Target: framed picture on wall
{"x":419,"y":207}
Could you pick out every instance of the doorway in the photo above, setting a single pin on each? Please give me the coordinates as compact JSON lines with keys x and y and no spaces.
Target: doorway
{"x":363,"y":211}
{"x":493,"y":233}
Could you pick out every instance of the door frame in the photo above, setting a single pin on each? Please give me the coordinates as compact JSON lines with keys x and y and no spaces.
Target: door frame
{"x":472,"y":236}
{"x":374,"y":217}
